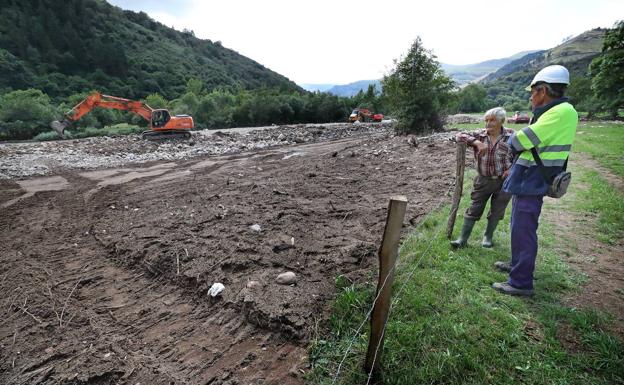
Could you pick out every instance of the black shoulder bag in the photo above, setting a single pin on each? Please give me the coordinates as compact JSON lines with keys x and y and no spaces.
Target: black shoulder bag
{"x":557,"y":184}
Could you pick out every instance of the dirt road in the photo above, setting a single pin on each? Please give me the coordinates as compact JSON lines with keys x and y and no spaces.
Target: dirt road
{"x":105,"y":271}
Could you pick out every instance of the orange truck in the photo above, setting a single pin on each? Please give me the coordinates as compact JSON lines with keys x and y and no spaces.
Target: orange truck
{"x":364,"y":115}
{"x":161,"y":123}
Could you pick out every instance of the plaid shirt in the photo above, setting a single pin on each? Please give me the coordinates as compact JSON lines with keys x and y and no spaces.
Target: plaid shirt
{"x":498,"y":157}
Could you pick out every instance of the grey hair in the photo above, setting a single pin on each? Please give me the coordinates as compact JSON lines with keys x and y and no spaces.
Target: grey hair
{"x":497,"y":112}
{"x":554,"y":90}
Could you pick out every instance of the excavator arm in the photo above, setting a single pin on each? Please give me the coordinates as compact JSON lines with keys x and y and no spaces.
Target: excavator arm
{"x":105,"y":101}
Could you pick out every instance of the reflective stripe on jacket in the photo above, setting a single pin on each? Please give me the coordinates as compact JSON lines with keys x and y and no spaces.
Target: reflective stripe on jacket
{"x":552,"y":134}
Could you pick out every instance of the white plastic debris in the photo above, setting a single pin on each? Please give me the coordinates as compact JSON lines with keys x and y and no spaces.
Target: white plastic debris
{"x":255,"y":227}
{"x":215,"y":289}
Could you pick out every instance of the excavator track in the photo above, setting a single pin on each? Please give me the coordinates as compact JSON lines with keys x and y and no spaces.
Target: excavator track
{"x":164,"y":135}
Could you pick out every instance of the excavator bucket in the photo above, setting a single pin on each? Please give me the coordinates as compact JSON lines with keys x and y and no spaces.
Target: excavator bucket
{"x":59,"y":127}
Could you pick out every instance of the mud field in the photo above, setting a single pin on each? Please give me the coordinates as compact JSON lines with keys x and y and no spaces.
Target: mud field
{"x":109,"y":246}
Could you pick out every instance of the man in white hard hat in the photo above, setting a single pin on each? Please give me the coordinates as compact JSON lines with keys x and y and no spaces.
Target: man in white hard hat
{"x":551,"y":133}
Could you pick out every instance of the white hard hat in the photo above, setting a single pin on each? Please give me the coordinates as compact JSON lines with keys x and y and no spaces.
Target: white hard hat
{"x":551,"y":74}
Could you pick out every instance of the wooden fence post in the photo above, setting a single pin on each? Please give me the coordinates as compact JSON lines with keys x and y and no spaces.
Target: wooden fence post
{"x":459,"y":185}
{"x":387,"y":258}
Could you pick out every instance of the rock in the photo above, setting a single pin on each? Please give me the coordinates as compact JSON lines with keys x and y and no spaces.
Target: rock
{"x":283,"y":247}
{"x":255,"y":227}
{"x":216,"y":289}
{"x":287,"y":278}
{"x":254,"y":285}
{"x":412,"y":140}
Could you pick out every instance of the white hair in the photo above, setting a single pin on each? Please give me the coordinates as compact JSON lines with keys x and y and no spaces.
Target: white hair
{"x":497,"y":112}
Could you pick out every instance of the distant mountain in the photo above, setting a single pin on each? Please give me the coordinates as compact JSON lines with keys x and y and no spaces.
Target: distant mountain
{"x":468,"y":73}
{"x":316,"y":87}
{"x":575,"y":54}
{"x":352,"y":89}
{"x":346,"y":90}
{"x":509,"y":81}
{"x":71,"y":46}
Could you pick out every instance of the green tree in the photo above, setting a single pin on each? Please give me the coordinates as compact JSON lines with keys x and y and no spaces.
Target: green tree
{"x":417,"y":90}
{"x":156,"y":100}
{"x":581,"y":95}
{"x":187,"y":104}
{"x":24,"y":114}
{"x":607,"y":71}
{"x":195,"y":86}
{"x":216,"y":109}
{"x":471,"y":98}
{"x":371,"y":99}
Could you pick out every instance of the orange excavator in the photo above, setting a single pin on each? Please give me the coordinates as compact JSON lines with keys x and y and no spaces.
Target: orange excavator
{"x":161,"y":123}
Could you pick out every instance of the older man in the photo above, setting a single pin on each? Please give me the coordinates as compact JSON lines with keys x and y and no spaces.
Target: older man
{"x":551,"y":133}
{"x":494,"y":159}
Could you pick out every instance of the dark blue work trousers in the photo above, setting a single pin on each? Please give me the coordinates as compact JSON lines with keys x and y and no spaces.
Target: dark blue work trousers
{"x":525,"y":212}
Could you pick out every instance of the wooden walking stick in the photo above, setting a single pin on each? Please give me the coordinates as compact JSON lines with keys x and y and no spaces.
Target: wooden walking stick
{"x":459,"y":185}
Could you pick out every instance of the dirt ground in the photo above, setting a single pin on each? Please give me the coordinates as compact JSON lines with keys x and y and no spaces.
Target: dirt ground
{"x":109,"y":246}
{"x":602,"y":264}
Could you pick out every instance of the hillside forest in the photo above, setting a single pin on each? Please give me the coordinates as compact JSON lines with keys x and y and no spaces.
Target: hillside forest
{"x":53,"y":54}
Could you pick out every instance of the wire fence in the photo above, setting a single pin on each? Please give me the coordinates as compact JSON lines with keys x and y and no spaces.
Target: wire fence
{"x":396,"y":296}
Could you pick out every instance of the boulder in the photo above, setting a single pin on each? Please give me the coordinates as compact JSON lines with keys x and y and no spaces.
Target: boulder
{"x":287,"y":278}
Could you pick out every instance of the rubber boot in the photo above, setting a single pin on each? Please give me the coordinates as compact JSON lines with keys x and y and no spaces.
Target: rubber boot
{"x":489,"y":233}
{"x":462,"y":241}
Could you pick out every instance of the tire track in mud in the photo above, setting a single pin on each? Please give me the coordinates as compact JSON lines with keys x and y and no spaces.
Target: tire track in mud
{"x":102,"y":323}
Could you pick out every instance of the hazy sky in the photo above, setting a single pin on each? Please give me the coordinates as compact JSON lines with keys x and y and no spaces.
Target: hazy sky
{"x":340,"y":41}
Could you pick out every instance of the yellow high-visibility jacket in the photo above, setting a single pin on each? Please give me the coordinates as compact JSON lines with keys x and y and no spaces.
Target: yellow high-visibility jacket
{"x":551,"y":132}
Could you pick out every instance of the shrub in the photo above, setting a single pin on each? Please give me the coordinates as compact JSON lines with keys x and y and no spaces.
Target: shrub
{"x":24,"y":114}
{"x":51,"y":135}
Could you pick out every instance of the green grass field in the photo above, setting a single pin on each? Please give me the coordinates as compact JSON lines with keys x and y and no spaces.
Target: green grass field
{"x":604,"y":142}
{"x":447,"y":326}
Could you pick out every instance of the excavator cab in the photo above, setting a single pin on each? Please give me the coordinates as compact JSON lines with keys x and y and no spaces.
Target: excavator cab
{"x":160,"y":118}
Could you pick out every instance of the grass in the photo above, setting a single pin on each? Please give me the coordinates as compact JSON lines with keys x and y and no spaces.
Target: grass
{"x":604,"y":142}
{"x":117,"y":129}
{"x":448,"y":326}
{"x":603,"y":200}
